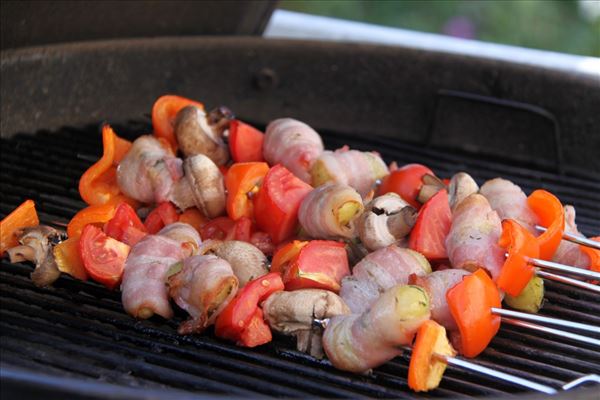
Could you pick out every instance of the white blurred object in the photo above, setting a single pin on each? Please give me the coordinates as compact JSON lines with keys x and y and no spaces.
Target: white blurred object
{"x":589,"y":9}
{"x":293,"y":25}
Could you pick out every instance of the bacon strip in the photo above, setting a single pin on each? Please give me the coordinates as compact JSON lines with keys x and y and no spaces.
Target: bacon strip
{"x":473,"y":239}
{"x":293,"y":144}
{"x":509,"y":201}
{"x":203,"y":288}
{"x":319,"y":211}
{"x":379,"y":271}
{"x":147,"y":172}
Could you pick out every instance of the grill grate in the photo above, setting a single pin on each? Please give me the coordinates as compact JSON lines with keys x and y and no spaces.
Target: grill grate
{"x":79,"y":330}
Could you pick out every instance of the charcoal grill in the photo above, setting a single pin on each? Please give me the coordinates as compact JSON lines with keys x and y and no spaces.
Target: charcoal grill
{"x":538,"y":128}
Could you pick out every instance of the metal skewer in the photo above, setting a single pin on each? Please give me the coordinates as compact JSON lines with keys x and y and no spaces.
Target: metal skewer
{"x":548,"y":320}
{"x":569,"y":281}
{"x":574,"y":238}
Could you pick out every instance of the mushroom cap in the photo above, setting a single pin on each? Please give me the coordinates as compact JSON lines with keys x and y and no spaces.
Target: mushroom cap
{"x":196,"y":136}
{"x":206,"y":182}
{"x":373,"y":226}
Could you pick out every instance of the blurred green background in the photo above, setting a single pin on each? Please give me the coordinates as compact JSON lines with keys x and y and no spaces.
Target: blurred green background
{"x":568,"y":26}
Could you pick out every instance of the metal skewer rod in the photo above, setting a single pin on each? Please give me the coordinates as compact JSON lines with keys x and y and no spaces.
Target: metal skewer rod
{"x":548,"y":320}
{"x":586,"y":273}
{"x":574,"y":238}
{"x":569,"y":281}
{"x":555,"y":332}
{"x":459,"y":362}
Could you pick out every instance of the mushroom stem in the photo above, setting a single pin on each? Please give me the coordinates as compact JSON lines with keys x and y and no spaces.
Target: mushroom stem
{"x":401,"y":223}
{"x":182,"y":194}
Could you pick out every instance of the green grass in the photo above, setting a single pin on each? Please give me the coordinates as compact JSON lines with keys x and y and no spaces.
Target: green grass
{"x":541,"y":24}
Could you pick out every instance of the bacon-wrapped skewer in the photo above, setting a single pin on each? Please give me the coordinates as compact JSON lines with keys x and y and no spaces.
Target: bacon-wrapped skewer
{"x":509,"y":201}
{"x":379,"y":271}
{"x":292,"y":144}
{"x":144,"y":292}
{"x":358,"y":169}
{"x":330,"y":211}
{"x":203,"y":287}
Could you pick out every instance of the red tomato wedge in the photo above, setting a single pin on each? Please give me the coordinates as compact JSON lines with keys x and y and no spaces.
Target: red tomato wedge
{"x":320,"y":264}
{"x":220,"y":228}
{"x":520,"y":244}
{"x":428,"y":236}
{"x":164,"y":111}
{"x":406,"y":181}
{"x":125,"y":225}
{"x":470,"y":303}
{"x":236,"y":321}
{"x":103,"y":257}
{"x":243,"y":181}
{"x":277,"y":202}
{"x":245,"y":142}
{"x":163,"y":215}
{"x":257,"y":332}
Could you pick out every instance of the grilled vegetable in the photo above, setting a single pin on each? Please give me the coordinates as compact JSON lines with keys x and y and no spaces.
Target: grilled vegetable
{"x":425,"y":370}
{"x":470,"y":303}
{"x":164,"y":112}
{"x":431,"y":229}
{"x":246,"y":260}
{"x":21,"y":217}
{"x":68,"y":258}
{"x":245,"y":142}
{"x":242,"y":182}
{"x":461,"y":186}
{"x":98,"y":184}
{"x":242,"y":320}
{"x":277,"y":202}
{"x":550,"y":213}
{"x":406,"y":182}
{"x":125,"y":226}
{"x":531,"y":297}
{"x":163,"y":215}
{"x":36,"y":246}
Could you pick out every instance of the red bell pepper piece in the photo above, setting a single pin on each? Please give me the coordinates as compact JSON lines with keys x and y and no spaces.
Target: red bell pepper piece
{"x":428,"y":236}
{"x":551,"y":215}
{"x":470,"y":303}
{"x":277,"y":202}
{"x":163,"y":215}
{"x":318,"y":264}
{"x":520,"y":244}
{"x":239,"y":321}
{"x":125,"y":225}
{"x":406,"y":181}
{"x":245,"y":142}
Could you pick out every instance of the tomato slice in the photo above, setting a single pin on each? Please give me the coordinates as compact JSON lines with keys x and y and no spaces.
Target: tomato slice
{"x":164,"y":111}
{"x":103,"y":257}
{"x":125,"y":225}
{"x":257,"y":332}
{"x":242,"y":181}
{"x":21,"y":217}
{"x":520,"y":244}
{"x":551,"y":214}
{"x":428,"y":236}
{"x":163,"y":215}
{"x":470,"y":303}
{"x":245,"y":142}
{"x":237,"y":316}
{"x":406,"y":181}
{"x":277,"y":202}
{"x":320,"y":264}
{"x":220,"y":228}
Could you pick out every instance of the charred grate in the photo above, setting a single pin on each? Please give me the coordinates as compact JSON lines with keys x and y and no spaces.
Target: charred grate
{"x":79,"y":330}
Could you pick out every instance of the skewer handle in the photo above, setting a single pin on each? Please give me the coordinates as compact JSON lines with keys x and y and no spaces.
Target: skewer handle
{"x":575,"y":239}
{"x":569,"y":281}
{"x":586,"y":273}
{"x":556,"y":332}
{"x":548,"y":320}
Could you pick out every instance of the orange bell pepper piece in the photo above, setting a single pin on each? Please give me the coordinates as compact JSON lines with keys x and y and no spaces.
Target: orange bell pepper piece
{"x":520,"y":244}
{"x":241,"y":180}
{"x":68,"y":258}
{"x":21,"y":217}
{"x":164,"y":111}
{"x":425,"y":371}
{"x":98,"y":184}
{"x":193,"y":217}
{"x":551,"y":214}
{"x":284,"y":255}
{"x":470,"y":303}
{"x":96,"y":215}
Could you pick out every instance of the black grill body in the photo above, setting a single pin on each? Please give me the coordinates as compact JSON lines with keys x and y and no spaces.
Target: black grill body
{"x":74,"y":338}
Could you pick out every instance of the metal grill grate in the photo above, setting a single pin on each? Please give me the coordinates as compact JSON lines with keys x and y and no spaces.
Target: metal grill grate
{"x":79,"y":329}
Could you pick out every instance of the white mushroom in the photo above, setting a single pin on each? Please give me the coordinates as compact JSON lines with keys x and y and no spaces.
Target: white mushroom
{"x":246,"y":260}
{"x":385,"y":221}
{"x":36,"y":246}
{"x":461,"y":186}
{"x":202,"y":186}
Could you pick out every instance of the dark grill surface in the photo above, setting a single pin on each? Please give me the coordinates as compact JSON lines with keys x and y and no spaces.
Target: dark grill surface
{"x":79,"y":329}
